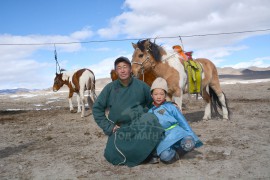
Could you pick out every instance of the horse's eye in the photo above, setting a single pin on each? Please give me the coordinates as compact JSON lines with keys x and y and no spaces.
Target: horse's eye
{"x":140,"y":55}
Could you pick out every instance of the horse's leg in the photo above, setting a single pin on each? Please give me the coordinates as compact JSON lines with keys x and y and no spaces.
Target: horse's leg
{"x":206,"y":78}
{"x":81,"y":100}
{"x":225,"y":112}
{"x":211,"y":79}
{"x":79,"y":103}
{"x":178,"y":98}
{"x":70,"y":102}
{"x":90,"y":101}
{"x":93,"y":94}
{"x":216,"y":87}
{"x":207,"y":110}
{"x":175,"y":91}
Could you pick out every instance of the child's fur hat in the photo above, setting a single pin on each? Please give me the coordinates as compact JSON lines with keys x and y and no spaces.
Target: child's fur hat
{"x":160,"y":83}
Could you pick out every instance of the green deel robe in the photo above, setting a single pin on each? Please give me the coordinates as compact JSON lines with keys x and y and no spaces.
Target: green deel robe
{"x":139,"y":132}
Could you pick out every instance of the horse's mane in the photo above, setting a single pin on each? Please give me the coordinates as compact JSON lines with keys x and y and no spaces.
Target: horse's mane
{"x":61,"y":70}
{"x":154,"y":49}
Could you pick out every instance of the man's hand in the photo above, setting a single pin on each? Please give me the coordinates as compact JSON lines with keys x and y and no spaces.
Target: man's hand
{"x":115,"y":128}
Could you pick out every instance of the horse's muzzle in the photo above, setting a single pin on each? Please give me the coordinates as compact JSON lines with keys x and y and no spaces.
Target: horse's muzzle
{"x":55,"y":90}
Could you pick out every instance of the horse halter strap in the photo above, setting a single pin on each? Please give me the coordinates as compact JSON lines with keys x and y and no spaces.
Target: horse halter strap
{"x":141,"y":65}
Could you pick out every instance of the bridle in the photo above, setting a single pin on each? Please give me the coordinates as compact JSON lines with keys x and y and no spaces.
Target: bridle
{"x":141,"y":64}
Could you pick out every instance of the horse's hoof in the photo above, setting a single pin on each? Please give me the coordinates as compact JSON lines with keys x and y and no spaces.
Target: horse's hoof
{"x":206,"y":118}
{"x":225,"y":119}
{"x":73,"y":111}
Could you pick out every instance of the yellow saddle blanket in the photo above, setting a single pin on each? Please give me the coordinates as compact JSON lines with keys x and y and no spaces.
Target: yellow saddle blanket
{"x":194,"y":74}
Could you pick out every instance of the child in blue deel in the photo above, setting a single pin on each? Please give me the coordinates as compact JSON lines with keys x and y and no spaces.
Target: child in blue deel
{"x":179,"y":137}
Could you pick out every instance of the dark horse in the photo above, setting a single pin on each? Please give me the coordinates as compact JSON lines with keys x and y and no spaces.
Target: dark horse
{"x":151,"y":57}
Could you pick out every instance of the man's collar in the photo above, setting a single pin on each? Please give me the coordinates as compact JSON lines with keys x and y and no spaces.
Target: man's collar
{"x":129,"y":82}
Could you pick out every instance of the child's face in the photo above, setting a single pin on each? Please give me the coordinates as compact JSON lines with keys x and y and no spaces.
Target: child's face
{"x":158,"y":96}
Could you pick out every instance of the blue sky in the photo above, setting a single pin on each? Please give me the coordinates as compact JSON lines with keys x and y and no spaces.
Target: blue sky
{"x":64,"y":21}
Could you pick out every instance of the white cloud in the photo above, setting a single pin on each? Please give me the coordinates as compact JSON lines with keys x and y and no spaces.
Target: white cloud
{"x":172,"y":18}
{"x":216,"y":54}
{"x":189,"y":17}
{"x":140,"y":19}
{"x":42,"y":42}
{"x":82,"y":34}
{"x":258,"y":62}
{"x":19,"y":67}
{"x":104,"y":67}
{"x":23,"y":73}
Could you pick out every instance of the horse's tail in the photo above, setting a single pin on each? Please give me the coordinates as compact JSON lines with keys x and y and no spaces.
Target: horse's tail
{"x":215,"y":103}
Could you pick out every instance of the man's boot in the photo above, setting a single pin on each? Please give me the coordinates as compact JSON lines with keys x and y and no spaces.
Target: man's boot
{"x":152,"y":158}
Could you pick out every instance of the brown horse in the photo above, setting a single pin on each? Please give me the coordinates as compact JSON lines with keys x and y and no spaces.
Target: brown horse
{"x":148,"y":77}
{"x":149,"y":56}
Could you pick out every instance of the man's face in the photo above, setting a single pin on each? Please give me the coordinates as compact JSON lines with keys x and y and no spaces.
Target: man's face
{"x":123,"y":70}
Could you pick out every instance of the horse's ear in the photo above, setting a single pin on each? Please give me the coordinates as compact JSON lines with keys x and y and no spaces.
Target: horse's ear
{"x":134,"y":45}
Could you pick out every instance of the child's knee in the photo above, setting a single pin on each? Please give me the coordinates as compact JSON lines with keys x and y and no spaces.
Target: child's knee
{"x":169,"y":156}
{"x":187,"y":143}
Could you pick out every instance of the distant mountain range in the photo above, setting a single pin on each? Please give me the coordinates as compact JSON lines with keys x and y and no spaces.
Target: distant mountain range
{"x":17,"y":90}
{"x":224,"y":73}
{"x":232,"y":71}
{"x":245,"y":74}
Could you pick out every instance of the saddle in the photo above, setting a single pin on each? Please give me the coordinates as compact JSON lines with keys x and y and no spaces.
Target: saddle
{"x":192,"y":68}
{"x":189,"y":54}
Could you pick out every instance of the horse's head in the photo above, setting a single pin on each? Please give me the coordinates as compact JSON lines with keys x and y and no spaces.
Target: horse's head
{"x":58,"y":82}
{"x":146,"y":55}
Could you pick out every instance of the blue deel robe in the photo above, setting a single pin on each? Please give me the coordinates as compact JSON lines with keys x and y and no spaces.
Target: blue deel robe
{"x":169,"y":115}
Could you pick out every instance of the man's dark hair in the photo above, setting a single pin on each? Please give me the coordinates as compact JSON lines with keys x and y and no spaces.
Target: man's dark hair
{"x":121,"y":59}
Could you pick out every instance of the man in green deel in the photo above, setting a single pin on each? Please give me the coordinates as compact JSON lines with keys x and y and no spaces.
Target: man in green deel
{"x":132,"y":133}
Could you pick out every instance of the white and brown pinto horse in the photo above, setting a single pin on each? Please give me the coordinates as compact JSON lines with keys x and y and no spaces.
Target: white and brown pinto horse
{"x":148,"y":56}
{"x":78,"y":82}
